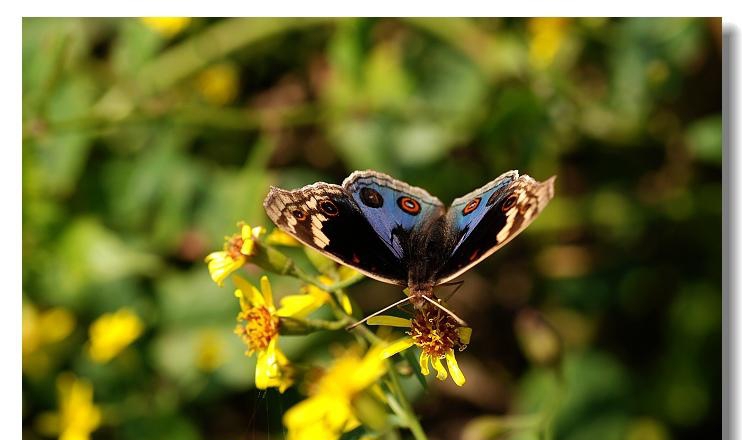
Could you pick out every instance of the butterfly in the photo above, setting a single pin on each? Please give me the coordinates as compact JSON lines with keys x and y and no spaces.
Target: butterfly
{"x":400,"y":234}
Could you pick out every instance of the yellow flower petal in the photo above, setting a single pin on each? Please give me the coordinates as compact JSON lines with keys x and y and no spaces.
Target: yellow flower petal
{"x":245,"y":231}
{"x":56,"y":324}
{"x":243,"y":304}
{"x":453,"y":368}
{"x":278,"y":237}
{"x":317,"y":293}
{"x":166,"y":26}
{"x":464,"y":334}
{"x":346,"y":304}
{"x":346,"y":272}
{"x":439,"y":368}
{"x":265,"y":367}
{"x":397,"y":346}
{"x":424,"y":368}
{"x":325,"y":280}
{"x":112,"y":332}
{"x":265,"y":286}
{"x":248,"y":292}
{"x":249,"y":236}
{"x":298,"y":305}
{"x":248,"y":246}
{"x":318,"y":417}
{"x":257,"y":231}
{"x":221,"y":265}
{"x":78,"y":416}
{"x":392,"y":321}
{"x":372,"y":367}
{"x":247,"y":240}
{"x":271,"y":368}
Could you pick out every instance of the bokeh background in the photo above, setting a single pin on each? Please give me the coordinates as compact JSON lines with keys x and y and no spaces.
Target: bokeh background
{"x":145,"y":141}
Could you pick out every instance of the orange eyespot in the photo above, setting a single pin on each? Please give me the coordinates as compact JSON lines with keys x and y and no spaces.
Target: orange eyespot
{"x":409,"y":205}
{"x":299,"y":214}
{"x":471,"y":206}
{"x":509,"y":202}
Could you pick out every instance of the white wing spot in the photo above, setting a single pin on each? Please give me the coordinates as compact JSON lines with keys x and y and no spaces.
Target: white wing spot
{"x":505,"y":231}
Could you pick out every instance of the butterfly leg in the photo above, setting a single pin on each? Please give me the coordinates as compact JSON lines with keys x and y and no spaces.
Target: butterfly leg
{"x":401,"y":301}
{"x":458,"y":285}
{"x":442,"y":307}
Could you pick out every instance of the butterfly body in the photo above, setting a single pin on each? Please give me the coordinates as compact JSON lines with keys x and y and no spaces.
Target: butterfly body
{"x":400,"y":234}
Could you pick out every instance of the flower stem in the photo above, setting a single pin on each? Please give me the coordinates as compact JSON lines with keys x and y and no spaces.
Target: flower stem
{"x":299,"y":273}
{"x":410,"y":418}
{"x":295,"y":326}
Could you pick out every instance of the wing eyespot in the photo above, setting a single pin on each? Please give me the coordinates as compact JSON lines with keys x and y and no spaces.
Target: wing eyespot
{"x":329,"y":208}
{"x":471,"y":206}
{"x":509,"y":202}
{"x":409,"y":205}
{"x":371,"y":198}
{"x":299,"y":214}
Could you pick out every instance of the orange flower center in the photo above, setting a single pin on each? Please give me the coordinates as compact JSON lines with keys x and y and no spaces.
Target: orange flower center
{"x":234,"y":246}
{"x":435,"y":331}
{"x":257,"y":328}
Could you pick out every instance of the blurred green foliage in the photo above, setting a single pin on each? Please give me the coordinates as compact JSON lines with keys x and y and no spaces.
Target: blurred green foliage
{"x":144,"y":145}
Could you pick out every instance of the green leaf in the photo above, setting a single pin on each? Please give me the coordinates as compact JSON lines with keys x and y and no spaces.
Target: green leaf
{"x":704,"y":139}
{"x":89,"y":253}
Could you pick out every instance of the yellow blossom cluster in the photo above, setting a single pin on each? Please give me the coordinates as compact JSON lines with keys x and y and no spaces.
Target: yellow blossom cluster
{"x":329,"y":410}
{"x":436,"y":333}
{"x":349,"y":391}
{"x":77,"y":416}
{"x":112,"y":332}
{"x":166,"y":26}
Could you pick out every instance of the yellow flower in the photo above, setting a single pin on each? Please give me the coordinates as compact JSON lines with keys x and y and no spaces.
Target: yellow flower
{"x":166,"y":26}
{"x":258,"y":325}
{"x":112,"y":332}
{"x":237,"y":249}
{"x":436,"y":333}
{"x":218,"y":84}
{"x":329,"y":410}
{"x":547,"y":36}
{"x":77,"y":416}
{"x":41,"y":329}
{"x":44,"y":327}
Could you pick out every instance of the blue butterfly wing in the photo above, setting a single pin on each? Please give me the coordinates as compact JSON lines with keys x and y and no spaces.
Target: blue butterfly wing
{"x":364,"y":224}
{"x":487,"y":218}
{"x":393,"y":208}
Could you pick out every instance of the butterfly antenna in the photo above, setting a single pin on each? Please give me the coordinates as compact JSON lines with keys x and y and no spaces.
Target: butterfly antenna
{"x":401,"y":301}
{"x":442,"y":307}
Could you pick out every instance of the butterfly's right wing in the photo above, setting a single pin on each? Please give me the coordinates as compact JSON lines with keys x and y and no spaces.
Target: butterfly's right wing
{"x":392,"y":207}
{"x":487,"y":218}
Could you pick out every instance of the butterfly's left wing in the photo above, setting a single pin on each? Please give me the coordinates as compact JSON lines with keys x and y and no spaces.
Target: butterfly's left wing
{"x":487,"y":218}
{"x":328,"y":219}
